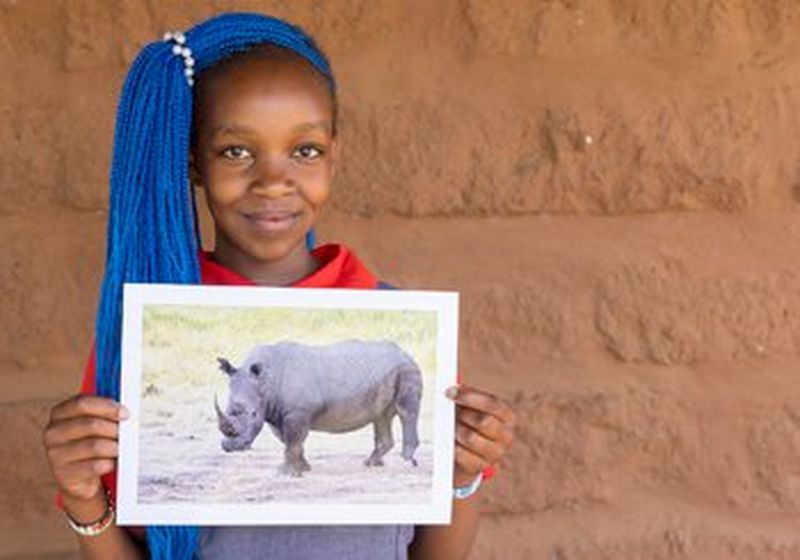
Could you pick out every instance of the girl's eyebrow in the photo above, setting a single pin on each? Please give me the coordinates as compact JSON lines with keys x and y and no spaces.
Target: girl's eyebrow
{"x":234,"y":129}
{"x":305,"y":127}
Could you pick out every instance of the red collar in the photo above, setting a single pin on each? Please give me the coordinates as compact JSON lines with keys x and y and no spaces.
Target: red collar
{"x":340,"y":269}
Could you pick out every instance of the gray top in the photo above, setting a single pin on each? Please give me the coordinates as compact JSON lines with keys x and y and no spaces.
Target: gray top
{"x":346,"y":542}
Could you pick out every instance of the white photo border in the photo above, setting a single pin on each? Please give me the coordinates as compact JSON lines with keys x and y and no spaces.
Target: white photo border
{"x":437,"y":511}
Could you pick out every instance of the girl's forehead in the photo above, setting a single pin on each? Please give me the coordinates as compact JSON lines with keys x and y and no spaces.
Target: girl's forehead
{"x":262,"y":83}
{"x":264,"y":73}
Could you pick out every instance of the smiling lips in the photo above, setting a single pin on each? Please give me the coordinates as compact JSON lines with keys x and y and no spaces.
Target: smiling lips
{"x":273,"y":221}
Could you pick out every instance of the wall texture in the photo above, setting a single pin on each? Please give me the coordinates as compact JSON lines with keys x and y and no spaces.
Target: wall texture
{"x":613,"y":185}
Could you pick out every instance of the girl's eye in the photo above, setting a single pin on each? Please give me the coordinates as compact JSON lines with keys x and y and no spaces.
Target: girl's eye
{"x":308,"y":152}
{"x":236,"y":153}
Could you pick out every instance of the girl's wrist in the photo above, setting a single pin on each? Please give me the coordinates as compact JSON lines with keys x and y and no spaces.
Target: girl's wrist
{"x":87,"y":510}
{"x":461,"y":478}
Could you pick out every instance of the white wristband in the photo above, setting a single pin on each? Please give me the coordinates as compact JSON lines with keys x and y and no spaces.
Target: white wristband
{"x":464,"y":492}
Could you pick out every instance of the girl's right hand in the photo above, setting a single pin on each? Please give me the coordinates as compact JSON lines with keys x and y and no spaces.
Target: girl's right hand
{"x":81,"y":443}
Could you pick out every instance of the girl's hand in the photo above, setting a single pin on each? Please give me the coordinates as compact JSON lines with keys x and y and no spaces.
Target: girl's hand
{"x":484,"y":431}
{"x":81,"y":443}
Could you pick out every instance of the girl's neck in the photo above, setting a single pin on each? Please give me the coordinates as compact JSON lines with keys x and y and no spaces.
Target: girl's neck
{"x":292,"y":268}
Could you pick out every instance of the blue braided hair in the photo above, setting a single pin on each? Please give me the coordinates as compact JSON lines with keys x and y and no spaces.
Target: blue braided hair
{"x":152,"y":225}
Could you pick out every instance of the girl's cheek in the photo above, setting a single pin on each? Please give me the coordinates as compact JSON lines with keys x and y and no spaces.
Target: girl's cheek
{"x":225,"y":183}
{"x":315,"y":174}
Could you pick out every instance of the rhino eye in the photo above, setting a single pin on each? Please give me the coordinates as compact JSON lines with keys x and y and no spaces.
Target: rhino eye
{"x":255,"y":369}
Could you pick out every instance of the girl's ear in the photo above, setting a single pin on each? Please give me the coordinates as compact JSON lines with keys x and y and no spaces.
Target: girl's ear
{"x":194,"y":173}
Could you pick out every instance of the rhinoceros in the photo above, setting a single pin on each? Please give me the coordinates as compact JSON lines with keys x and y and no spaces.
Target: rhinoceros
{"x":334,"y":388}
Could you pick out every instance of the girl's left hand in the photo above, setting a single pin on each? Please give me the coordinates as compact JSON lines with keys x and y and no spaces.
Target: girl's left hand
{"x":484,"y":431}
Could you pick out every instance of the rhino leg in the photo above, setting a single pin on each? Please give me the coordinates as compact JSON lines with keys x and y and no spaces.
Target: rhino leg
{"x":383,"y":438}
{"x":294,"y":432}
{"x":407,"y":404}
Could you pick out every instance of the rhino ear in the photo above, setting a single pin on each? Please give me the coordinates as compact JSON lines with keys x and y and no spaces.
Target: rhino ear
{"x":226,"y":366}
{"x":255,"y":369}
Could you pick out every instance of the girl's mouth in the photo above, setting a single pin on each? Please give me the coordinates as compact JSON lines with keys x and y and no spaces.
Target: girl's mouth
{"x":269,"y":222}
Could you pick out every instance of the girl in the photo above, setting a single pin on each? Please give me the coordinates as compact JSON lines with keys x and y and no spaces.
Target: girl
{"x":244,"y":107}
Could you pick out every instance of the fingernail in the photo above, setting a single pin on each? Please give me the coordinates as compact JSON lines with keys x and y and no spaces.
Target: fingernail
{"x":451,"y":392}
{"x":124,"y":413}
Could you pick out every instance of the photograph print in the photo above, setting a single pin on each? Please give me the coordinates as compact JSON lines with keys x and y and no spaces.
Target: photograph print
{"x":269,"y":406}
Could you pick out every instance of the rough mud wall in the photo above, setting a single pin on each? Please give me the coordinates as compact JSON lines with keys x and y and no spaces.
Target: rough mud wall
{"x":611,"y":184}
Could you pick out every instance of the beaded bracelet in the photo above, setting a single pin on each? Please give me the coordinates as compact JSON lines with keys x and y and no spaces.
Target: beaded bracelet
{"x":97,"y":527}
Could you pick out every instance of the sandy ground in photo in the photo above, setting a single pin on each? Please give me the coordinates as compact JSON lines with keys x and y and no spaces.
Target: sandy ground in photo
{"x":182,"y":461}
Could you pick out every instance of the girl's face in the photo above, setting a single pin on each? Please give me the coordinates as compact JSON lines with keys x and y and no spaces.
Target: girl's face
{"x":264,"y":153}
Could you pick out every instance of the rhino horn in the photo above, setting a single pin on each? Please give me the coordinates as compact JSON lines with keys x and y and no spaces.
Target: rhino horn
{"x":226,"y":366}
{"x":225,"y":425}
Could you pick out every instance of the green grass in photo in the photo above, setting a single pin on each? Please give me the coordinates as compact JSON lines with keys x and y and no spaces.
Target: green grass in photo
{"x":181,"y":343}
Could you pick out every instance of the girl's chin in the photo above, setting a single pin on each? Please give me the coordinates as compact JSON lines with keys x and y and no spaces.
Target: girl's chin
{"x":274,"y":250}
{"x":249,"y":246}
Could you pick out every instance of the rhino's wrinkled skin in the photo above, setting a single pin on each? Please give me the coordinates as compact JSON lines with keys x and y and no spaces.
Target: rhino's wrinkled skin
{"x":335,"y":388}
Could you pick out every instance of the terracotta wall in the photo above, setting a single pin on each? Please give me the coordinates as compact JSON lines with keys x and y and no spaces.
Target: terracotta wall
{"x":612,"y":185}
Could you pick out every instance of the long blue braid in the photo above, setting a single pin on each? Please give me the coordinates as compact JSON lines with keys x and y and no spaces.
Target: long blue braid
{"x":152,"y":226}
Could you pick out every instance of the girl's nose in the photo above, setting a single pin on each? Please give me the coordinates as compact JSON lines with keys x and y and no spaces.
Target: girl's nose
{"x":272,"y":180}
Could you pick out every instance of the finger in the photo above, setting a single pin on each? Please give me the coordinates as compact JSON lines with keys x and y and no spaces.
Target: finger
{"x":468,"y":462}
{"x":75,"y":451}
{"x":81,"y":427}
{"x":86,"y":469}
{"x":489,"y":426}
{"x":488,"y":450}
{"x":481,"y":401}
{"x":88,"y":405}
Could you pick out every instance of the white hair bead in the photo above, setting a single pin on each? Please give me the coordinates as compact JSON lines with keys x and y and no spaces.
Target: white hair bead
{"x":179,"y":48}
